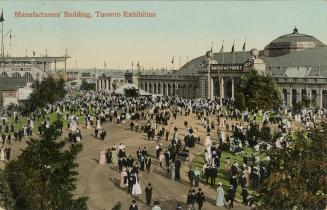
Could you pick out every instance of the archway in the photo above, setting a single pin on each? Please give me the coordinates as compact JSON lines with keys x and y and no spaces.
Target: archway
{"x":314,"y":96}
{"x":304,"y":95}
{"x":324,"y":98}
{"x":155,"y":88}
{"x":16,"y":75}
{"x":28,"y":76}
{"x":228,"y":88}
{"x":216,"y":88}
{"x":164,"y":89}
{"x":146,"y":87}
{"x":4,"y":74}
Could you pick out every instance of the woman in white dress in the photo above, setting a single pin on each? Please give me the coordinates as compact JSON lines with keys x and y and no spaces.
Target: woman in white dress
{"x":136,"y":190}
{"x":123,"y":178}
{"x":220,"y":199}
{"x":2,"y":154}
{"x":102,"y":159}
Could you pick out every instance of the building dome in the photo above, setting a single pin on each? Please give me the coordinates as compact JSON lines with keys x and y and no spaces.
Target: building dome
{"x":289,"y":43}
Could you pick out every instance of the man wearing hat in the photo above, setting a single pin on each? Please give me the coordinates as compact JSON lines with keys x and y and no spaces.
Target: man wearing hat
{"x":133,"y":206}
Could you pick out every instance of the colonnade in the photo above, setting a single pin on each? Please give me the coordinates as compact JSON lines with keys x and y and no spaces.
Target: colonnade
{"x":103,"y":83}
{"x":184,"y":90}
{"x":317,"y":96}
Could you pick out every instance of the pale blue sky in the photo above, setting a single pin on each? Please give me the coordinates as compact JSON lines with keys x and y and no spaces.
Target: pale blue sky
{"x":181,"y":28}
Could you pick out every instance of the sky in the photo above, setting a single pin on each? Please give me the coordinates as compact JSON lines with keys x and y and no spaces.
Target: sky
{"x":181,"y":29}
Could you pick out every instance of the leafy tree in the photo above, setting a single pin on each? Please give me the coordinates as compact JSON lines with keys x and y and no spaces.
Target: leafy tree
{"x":87,"y":86}
{"x":298,"y":174}
{"x":47,"y":91}
{"x":239,"y":101}
{"x":61,"y":88}
{"x":44,"y":175}
{"x":132,"y":92}
{"x":260,"y":91}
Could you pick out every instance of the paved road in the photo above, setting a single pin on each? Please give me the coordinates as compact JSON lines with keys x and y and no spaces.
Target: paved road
{"x":101,"y":182}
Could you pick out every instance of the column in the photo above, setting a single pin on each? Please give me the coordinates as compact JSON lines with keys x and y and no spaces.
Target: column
{"x":167,"y":88}
{"x":310,"y":95}
{"x":152,"y":88}
{"x":108,"y":84}
{"x":222,"y":88}
{"x":320,"y":101}
{"x":233,"y":89}
{"x":211,"y":88}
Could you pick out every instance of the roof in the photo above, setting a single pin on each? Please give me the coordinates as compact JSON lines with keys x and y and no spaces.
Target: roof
{"x":11,"y":83}
{"x":290,"y":43}
{"x":315,"y":59}
{"x":121,"y":90}
{"x":34,"y":59}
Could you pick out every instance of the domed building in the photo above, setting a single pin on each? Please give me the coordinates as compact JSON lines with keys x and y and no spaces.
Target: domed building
{"x":297,"y":62}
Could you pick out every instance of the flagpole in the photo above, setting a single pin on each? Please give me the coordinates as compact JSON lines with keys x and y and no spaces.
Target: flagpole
{"x":2,"y":46}
{"x":244,"y":51}
{"x":223,"y":53}
{"x":234,"y":51}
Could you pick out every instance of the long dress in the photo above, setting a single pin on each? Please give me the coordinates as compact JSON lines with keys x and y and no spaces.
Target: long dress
{"x":220,"y":199}
{"x":136,"y":190}
{"x":122,"y":178}
{"x":2,"y":155}
{"x":114,"y":156}
{"x":102,"y":159}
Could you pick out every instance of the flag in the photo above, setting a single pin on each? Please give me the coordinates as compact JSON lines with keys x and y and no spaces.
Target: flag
{"x":132,"y":64}
{"x":138,"y":64}
{"x":10,"y":35}
{"x":243,"y":48}
{"x":33,"y":53}
{"x":1,"y":17}
{"x":222,"y":48}
{"x":104,"y":63}
{"x":172,"y":60}
{"x":233,"y":47}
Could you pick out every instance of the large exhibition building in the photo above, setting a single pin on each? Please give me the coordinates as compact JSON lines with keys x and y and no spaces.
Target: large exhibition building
{"x":297,"y":61}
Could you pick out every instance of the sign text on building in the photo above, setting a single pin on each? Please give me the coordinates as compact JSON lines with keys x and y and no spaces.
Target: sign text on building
{"x":227,"y":67}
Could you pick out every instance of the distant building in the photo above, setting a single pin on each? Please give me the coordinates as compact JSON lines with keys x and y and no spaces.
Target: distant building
{"x":9,"y":89}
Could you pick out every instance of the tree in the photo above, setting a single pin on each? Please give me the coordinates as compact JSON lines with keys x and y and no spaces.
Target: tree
{"x":260,"y":91}
{"x":132,"y":92}
{"x":239,"y":101}
{"x":47,"y":91}
{"x":1,"y":101}
{"x":61,"y":88}
{"x":298,"y":174}
{"x":87,"y":86}
{"x":44,"y":175}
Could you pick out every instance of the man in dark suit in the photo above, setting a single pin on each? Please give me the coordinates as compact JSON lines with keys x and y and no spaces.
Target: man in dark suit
{"x":177,"y":169}
{"x":131,"y":182}
{"x":148,"y":194}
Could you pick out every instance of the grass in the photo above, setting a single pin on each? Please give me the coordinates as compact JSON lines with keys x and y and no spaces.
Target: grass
{"x":223,"y":176}
{"x":52,"y":116}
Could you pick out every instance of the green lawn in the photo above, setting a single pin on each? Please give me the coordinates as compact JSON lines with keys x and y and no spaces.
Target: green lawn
{"x":223,"y":177}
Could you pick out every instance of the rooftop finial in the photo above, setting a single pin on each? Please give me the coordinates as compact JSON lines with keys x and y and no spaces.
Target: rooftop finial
{"x":295,"y":31}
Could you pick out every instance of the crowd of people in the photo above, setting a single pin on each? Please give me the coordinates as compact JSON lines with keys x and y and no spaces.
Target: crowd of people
{"x":227,"y":130}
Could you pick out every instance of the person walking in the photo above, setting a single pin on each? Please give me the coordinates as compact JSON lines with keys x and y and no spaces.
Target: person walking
{"x":220,"y":199}
{"x":200,"y":199}
{"x":148,"y":194}
{"x":133,"y":206}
